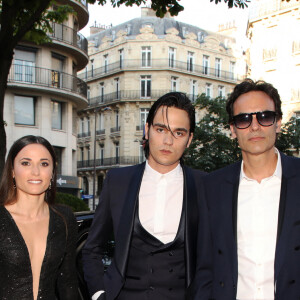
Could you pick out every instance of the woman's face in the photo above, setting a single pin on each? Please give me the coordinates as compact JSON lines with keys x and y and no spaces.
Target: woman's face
{"x":33,"y":169}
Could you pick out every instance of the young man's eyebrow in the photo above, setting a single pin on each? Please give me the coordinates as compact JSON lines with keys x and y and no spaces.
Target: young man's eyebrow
{"x":175,"y":129}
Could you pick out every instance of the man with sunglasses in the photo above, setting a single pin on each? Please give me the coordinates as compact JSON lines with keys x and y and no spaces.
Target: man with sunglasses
{"x":254,"y":213}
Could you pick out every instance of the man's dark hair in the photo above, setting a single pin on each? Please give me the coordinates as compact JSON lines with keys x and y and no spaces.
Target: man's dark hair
{"x":173,"y":99}
{"x":248,"y":85}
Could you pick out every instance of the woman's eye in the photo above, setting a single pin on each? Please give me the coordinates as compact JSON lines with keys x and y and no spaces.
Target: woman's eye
{"x":25,"y":163}
{"x":45,"y":164}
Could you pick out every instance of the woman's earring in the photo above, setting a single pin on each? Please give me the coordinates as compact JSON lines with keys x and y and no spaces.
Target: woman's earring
{"x":14,"y":183}
{"x":49,"y":188}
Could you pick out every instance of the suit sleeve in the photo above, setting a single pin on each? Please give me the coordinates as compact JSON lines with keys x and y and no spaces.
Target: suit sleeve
{"x":95,"y":246}
{"x":67,"y":285}
{"x":202,"y":285}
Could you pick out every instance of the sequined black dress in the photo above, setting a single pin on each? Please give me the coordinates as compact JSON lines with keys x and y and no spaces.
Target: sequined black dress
{"x":58,"y":278}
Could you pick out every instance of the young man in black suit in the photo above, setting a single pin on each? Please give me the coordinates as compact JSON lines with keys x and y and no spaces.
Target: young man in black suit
{"x":153,"y":211}
{"x":254,"y":208}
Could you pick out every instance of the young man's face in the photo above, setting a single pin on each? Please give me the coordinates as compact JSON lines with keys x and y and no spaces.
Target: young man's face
{"x":166,"y":147}
{"x":256,"y":139}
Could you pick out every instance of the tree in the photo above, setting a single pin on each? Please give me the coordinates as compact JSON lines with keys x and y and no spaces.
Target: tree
{"x":213,"y":148}
{"x":73,"y":202}
{"x":30,"y":20}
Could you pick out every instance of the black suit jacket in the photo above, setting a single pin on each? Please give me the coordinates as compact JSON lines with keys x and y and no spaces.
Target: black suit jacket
{"x":115,"y":212}
{"x":219,"y":278}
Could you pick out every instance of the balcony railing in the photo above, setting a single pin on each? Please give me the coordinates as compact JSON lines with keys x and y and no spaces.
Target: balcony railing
{"x":125,"y":95}
{"x":110,"y":161}
{"x":47,"y":78}
{"x":158,"y":64}
{"x":69,"y":36}
{"x":115,"y":129}
{"x":84,"y":134}
{"x":100,"y":131}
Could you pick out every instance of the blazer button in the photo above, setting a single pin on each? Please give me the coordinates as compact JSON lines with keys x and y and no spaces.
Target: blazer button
{"x":170,"y":270}
{"x":297,"y":248}
{"x":220,"y":252}
{"x":221,"y":283}
{"x":151,"y":288}
{"x":292,"y":281}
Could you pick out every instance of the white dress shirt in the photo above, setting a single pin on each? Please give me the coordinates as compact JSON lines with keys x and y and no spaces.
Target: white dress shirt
{"x":160,"y":204}
{"x":257,"y":219}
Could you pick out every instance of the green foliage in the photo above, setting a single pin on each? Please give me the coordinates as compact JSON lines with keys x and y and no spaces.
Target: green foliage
{"x":212,"y":147}
{"x":236,"y":3}
{"x":288,"y":140}
{"x":75,"y":203}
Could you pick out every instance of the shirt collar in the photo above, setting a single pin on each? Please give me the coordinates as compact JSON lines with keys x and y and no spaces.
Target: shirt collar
{"x":277,"y":172}
{"x":156,"y":176}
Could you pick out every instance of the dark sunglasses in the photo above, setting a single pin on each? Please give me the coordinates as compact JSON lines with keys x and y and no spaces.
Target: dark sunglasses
{"x":264,"y":118}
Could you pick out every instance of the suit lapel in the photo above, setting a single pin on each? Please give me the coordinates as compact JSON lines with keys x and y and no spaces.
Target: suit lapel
{"x":124,"y":233}
{"x":191,"y":219}
{"x":289,"y":189}
{"x":230,"y":190}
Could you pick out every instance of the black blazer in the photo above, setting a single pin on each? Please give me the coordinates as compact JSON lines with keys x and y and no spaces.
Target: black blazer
{"x":115,"y":212}
{"x":219,"y":267}
{"x":58,"y":278}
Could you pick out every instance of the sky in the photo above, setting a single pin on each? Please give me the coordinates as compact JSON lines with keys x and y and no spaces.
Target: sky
{"x":201,"y":13}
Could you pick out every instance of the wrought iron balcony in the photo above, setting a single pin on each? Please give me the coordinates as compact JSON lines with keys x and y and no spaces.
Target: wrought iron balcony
{"x":115,"y":129}
{"x":69,"y":36}
{"x":30,"y":75}
{"x":100,"y":131}
{"x":110,"y":161}
{"x":84,"y":134}
{"x":158,"y":64}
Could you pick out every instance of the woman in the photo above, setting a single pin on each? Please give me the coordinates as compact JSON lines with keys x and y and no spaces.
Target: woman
{"x":37,"y":238}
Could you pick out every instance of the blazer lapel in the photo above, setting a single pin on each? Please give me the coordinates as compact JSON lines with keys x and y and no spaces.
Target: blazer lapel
{"x":123,"y":236}
{"x":289,"y":189}
{"x":191,"y":220}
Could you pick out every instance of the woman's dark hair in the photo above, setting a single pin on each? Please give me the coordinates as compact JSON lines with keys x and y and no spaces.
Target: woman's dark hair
{"x":248,"y":85}
{"x":173,"y":99}
{"x":7,"y":190}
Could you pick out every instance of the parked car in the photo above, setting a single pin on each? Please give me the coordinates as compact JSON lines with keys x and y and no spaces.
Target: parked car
{"x":84,"y":221}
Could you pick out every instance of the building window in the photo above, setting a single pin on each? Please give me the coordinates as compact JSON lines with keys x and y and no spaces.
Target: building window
{"x":24,"y":61}
{"x":24,"y":110}
{"x":74,"y":120}
{"x":174,"y":84}
{"x":146,"y":56}
{"x":194,"y":90}
{"x":56,"y":114}
{"x":88,"y":153}
{"x":117,"y":119}
{"x":117,"y":154}
{"x":92,"y":67}
{"x":143,"y":117}
{"x":205,"y":64}
{"x":105,"y":57}
{"x":232,"y":70}
{"x":221,"y":91}
{"x":81,"y":125}
{"x":101,"y":155}
{"x":218,"y":67}
{"x":142,"y":157}
{"x":100,"y":121}
{"x":121,"y":55}
{"x":88,"y":123}
{"x":145,"y":86}
{"x":57,"y":69}
{"x":172,"y":57}
{"x":117,"y":85}
{"x":58,"y":153}
{"x":101,"y":92}
{"x":208,"y":92}
{"x":190,"y":61}
{"x":81,"y":154}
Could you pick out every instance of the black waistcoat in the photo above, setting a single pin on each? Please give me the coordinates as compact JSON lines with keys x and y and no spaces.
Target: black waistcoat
{"x":155,"y":271}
